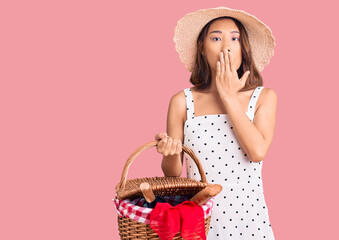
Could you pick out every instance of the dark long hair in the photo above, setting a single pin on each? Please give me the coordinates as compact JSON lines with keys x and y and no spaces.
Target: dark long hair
{"x":201,"y":74}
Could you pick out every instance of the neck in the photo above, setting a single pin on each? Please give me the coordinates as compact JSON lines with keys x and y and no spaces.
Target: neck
{"x":213,"y":86}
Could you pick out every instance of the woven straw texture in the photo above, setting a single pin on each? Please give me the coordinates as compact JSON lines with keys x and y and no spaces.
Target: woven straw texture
{"x":131,"y":230}
{"x":161,"y":186}
{"x":187,"y":30}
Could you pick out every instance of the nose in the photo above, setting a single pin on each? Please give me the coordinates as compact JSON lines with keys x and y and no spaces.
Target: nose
{"x":225,"y":48}
{"x":226,"y":45}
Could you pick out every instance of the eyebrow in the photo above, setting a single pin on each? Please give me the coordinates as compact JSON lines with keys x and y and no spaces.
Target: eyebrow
{"x":218,"y":31}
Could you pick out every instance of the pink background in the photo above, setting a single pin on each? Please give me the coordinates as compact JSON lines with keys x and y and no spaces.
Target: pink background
{"x":85,"y":83}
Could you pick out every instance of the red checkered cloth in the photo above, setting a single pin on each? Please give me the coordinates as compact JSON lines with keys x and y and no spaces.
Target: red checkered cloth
{"x":134,"y":209}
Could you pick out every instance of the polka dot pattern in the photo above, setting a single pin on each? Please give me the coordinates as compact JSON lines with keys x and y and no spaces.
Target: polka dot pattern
{"x":239,"y":210}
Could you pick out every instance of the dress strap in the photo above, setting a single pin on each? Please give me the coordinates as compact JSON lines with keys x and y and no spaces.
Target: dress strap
{"x":189,"y":103}
{"x":253,"y":102}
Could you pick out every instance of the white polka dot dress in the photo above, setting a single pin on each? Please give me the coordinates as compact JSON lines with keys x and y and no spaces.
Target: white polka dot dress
{"x":239,"y":211}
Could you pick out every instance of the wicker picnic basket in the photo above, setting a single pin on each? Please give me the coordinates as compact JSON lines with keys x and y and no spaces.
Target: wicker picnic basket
{"x":161,"y":186}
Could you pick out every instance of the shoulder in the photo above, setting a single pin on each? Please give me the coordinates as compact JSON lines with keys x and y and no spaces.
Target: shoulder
{"x":179,"y":99}
{"x":268,"y":97}
{"x":177,"y":104}
{"x":268,"y":94}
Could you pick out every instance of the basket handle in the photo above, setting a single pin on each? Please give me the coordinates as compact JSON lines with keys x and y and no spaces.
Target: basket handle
{"x":152,"y":144}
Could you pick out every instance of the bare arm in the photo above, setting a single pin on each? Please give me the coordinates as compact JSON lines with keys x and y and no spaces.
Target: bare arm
{"x":256,"y":137}
{"x":172,"y":163}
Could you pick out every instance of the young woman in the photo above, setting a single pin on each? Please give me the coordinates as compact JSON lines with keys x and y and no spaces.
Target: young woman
{"x":228,"y":118}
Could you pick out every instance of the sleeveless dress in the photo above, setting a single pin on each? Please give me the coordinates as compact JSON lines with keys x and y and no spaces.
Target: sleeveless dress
{"x":239,"y":211}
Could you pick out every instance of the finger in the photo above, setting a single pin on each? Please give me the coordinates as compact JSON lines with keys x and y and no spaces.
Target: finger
{"x":218,"y":69}
{"x":174,"y":147}
{"x":222,"y":64}
{"x":179,"y":147}
{"x":157,"y":136}
{"x":227,"y":62}
{"x":168,"y":146}
{"x":245,"y":76}
{"x":160,"y":136}
{"x":161,"y":145}
{"x":230,"y":58}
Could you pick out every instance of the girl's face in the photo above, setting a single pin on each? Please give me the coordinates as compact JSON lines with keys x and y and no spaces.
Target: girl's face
{"x":222,"y":34}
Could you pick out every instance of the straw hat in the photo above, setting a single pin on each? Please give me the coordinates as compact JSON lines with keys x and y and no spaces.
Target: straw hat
{"x":188,"y":28}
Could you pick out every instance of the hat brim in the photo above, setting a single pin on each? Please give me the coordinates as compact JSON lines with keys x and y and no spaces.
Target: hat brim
{"x":260,"y":36}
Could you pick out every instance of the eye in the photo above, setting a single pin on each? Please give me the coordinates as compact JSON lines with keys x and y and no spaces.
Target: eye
{"x":219,"y":38}
{"x":215,"y":38}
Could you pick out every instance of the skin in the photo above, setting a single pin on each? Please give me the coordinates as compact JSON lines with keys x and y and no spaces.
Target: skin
{"x":223,"y":53}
